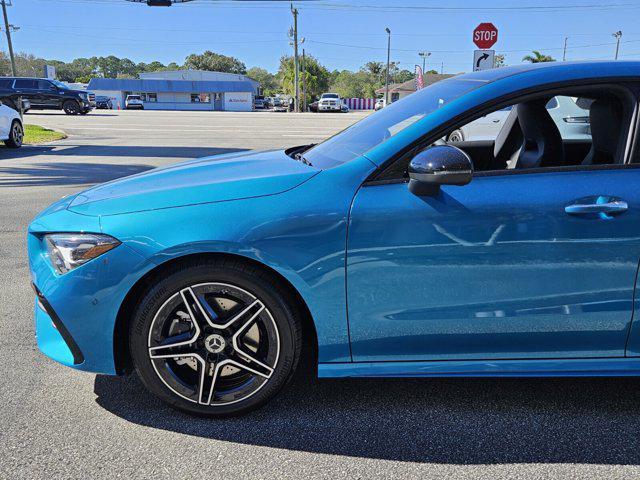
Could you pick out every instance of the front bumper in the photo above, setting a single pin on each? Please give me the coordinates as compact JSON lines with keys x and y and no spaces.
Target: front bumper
{"x":75,"y":313}
{"x":329,"y":108}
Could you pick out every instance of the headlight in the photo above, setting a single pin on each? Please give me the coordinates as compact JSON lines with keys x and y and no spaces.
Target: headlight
{"x":70,"y":250}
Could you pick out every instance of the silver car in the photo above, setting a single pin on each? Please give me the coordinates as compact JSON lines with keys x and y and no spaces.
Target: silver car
{"x":572,"y":121}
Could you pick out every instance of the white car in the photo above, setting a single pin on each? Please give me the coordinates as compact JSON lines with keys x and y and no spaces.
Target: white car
{"x":133,"y":101}
{"x":379,"y":104}
{"x":330,"y":102}
{"x":571,"y":119}
{"x":11,"y":129}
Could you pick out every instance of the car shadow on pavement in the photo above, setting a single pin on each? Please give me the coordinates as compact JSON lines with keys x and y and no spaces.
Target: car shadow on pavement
{"x":65,"y":173}
{"x":448,"y":421}
{"x":120,"y":151}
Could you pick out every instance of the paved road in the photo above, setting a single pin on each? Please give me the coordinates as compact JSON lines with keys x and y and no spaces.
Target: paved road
{"x":58,"y":423}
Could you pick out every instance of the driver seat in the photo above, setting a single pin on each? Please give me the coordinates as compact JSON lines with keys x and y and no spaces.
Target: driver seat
{"x":542,"y":143}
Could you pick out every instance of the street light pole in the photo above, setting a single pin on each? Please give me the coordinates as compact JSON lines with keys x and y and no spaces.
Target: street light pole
{"x":618,"y":34}
{"x":564,"y":50}
{"x":7,"y":29}
{"x":304,"y":81}
{"x":294,"y":11}
{"x":386,"y":83}
{"x":424,"y":56}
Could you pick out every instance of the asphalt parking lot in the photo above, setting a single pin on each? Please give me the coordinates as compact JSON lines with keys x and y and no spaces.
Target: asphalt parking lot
{"x":59,"y":423}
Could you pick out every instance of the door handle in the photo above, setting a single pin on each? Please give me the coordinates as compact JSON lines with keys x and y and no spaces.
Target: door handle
{"x":496,"y":121}
{"x":611,"y":207}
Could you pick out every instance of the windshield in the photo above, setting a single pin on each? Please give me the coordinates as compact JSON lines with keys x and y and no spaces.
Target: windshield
{"x":133,"y":97}
{"x":330,"y":95}
{"x":382,"y":125}
{"x":58,"y":84}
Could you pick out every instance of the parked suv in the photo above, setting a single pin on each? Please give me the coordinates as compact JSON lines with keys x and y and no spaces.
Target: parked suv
{"x":49,"y":94}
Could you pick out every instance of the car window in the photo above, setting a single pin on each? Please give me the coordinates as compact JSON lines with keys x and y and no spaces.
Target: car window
{"x":45,"y":85}
{"x":380,"y":126}
{"x":565,"y":130}
{"x":26,"y":83}
{"x":6,"y":82}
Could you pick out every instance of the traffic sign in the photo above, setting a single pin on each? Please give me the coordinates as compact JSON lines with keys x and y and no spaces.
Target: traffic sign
{"x":483,"y":59}
{"x":485,"y":35}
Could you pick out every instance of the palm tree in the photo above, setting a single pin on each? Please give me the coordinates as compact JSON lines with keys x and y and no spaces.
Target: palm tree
{"x":538,"y":57}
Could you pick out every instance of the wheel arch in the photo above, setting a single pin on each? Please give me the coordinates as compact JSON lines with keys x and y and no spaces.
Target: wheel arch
{"x":121,"y":354}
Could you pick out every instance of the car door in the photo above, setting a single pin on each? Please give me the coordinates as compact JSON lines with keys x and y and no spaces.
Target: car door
{"x":6,"y":116}
{"x":29,"y":88}
{"x":49,"y":94}
{"x":486,"y":127}
{"x":518,"y":265}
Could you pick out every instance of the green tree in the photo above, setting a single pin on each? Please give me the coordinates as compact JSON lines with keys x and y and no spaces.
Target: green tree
{"x":538,"y":57}
{"x":316,"y":77}
{"x":403,"y":76}
{"x":498,"y":60}
{"x":214,"y":62}
{"x":268,"y":81}
{"x":154,"y":66}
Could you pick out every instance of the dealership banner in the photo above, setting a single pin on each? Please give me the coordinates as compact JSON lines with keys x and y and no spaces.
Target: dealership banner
{"x":359,"y":103}
{"x":419,"y":78}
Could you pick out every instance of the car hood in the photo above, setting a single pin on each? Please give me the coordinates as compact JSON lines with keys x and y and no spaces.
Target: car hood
{"x":205,"y":180}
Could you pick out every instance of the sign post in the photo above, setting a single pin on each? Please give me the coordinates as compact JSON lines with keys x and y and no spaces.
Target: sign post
{"x":483,"y":60}
{"x":485,"y":36}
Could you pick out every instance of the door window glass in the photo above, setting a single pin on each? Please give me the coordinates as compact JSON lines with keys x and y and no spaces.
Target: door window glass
{"x":26,"y":83}
{"x":588,"y":128}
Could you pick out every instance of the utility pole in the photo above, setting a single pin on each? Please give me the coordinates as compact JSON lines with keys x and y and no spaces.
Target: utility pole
{"x":386,"y":82}
{"x":618,"y":34}
{"x":442,"y":68}
{"x":564,"y":50}
{"x":7,"y":29}
{"x":424,"y":56}
{"x":304,"y":81}
{"x":294,"y":11}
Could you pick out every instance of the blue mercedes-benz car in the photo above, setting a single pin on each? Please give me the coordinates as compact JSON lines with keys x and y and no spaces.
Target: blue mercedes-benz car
{"x":382,"y":251}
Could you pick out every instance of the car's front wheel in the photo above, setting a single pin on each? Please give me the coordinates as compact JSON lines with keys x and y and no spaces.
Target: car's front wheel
{"x":71,"y":107}
{"x":215,"y":337}
{"x":16,"y":135}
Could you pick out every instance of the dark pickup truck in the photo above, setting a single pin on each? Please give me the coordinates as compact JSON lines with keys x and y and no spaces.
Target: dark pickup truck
{"x":48,"y":94}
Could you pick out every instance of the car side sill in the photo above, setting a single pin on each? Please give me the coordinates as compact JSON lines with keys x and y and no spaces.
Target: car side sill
{"x":586,"y":367}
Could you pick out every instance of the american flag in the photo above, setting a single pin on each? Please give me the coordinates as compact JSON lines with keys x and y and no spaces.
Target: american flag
{"x":419,"y":78}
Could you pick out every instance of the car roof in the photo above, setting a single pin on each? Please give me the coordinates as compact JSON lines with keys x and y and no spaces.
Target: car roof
{"x":609,"y":68}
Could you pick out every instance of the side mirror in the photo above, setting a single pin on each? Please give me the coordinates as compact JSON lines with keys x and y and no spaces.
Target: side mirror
{"x":439,"y":165}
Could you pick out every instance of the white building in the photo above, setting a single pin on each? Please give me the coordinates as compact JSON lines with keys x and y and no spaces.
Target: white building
{"x":181,"y":90}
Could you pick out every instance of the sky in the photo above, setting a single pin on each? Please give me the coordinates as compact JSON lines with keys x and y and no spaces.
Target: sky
{"x":342,"y":34}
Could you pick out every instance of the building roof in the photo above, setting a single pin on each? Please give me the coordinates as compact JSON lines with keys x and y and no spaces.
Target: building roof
{"x":410,"y":85}
{"x":177,"y":86}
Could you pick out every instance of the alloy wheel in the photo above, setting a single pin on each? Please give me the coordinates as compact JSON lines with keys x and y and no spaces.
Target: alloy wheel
{"x":17,"y":134}
{"x":213,"y":344}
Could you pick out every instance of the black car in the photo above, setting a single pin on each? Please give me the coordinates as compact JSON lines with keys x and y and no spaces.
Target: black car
{"x":49,"y":94}
{"x":103,"y":102}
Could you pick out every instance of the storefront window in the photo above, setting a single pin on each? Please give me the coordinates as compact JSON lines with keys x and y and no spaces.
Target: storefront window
{"x":200,"y":98}
{"x":152,"y":97}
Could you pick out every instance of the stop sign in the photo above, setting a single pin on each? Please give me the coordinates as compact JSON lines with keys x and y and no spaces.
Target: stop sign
{"x":485,"y":35}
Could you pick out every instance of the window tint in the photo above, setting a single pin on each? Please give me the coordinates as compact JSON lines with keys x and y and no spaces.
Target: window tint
{"x":6,"y":82}
{"x":566,"y":130}
{"x":45,"y":85}
{"x":26,"y":83}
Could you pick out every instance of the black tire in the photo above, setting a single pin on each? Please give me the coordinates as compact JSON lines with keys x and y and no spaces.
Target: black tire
{"x":16,"y":135}
{"x":209,"y":273}
{"x":71,"y":107}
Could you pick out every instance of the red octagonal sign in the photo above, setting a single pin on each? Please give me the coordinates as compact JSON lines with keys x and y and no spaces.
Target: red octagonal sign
{"x":485,"y":35}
